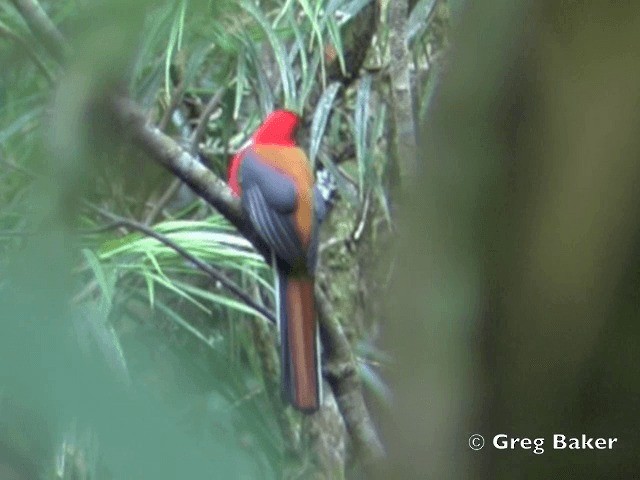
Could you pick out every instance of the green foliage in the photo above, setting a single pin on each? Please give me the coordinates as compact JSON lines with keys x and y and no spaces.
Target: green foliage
{"x":139,"y":309}
{"x":320,"y":117}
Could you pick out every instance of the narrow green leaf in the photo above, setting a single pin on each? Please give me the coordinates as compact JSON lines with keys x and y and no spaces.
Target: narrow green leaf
{"x":19,"y":124}
{"x":320,"y":117}
{"x":169,"y":285}
{"x":183,"y":11}
{"x":351,"y":9}
{"x":106,"y":287}
{"x":333,"y":6}
{"x":384,"y":201}
{"x":336,"y":39}
{"x":377,"y":133}
{"x":308,"y":83}
{"x":429,"y":90}
{"x":150,"y":289}
{"x":417,"y":21}
{"x":174,"y":44}
{"x":184,"y":324}
{"x":360,"y":126}
{"x":217,"y":299}
{"x":240,"y":83}
{"x":299,"y":48}
{"x":376,"y":384}
{"x":286,"y":9}
{"x":263,"y":90}
{"x":154,"y":32}
{"x":286,"y":73}
{"x":315,"y":26}
{"x":171,"y":46}
{"x":155,"y":264}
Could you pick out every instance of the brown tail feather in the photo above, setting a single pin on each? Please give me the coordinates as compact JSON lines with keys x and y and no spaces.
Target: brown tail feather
{"x":301,"y":339}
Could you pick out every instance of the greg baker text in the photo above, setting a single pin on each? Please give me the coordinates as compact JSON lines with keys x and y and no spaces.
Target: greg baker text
{"x":502,"y":441}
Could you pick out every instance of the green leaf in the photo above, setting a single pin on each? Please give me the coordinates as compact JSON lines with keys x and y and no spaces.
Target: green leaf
{"x":217,"y":299}
{"x":417,"y":21}
{"x":19,"y":124}
{"x":169,"y":285}
{"x":315,"y":26}
{"x":173,"y":45}
{"x":286,"y":9}
{"x":263,"y":90}
{"x":154,"y":32}
{"x":336,"y":39}
{"x":286,"y":72}
{"x":429,"y":91}
{"x":333,"y":6}
{"x":183,"y":323}
{"x":240,"y":83}
{"x":376,"y":384}
{"x":351,"y":9}
{"x":106,"y":286}
{"x":360,"y":127}
{"x":320,"y":117}
{"x":308,"y":83}
{"x":150,"y":289}
{"x":300,"y":49}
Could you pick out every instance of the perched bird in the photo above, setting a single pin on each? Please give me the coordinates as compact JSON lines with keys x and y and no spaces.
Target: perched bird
{"x":274,"y":181}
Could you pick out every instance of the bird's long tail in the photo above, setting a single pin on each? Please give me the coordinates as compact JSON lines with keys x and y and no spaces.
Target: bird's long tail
{"x":301,"y":379}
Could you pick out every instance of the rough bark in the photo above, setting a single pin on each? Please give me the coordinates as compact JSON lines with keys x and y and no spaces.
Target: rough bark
{"x":404,"y":140}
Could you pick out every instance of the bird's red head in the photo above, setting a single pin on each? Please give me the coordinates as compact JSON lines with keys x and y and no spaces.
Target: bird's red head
{"x":278,"y":128}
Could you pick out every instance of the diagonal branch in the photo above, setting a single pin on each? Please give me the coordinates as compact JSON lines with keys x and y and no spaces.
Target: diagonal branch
{"x":342,"y":373}
{"x":164,"y":150}
{"x":176,"y":98}
{"x":43,"y":28}
{"x":204,"y":119}
{"x":194,"y":141}
{"x":205,"y":267}
{"x":404,"y":137}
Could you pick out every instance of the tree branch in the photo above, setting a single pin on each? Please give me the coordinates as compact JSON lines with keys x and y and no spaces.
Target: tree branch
{"x":173,"y":104}
{"x":204,"y":119}
{"x":43,"y":28}
{"x":164,"y":150}
{"x":193,"y":141}
{"x":404,"y":138}
{"x":342,"y":374}
{"x":205,"y":267}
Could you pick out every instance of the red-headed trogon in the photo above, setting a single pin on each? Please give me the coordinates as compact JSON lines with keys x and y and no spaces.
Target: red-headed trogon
{"x":274,"y":180}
